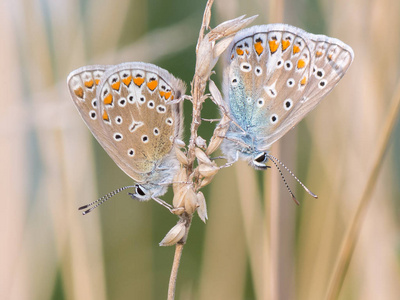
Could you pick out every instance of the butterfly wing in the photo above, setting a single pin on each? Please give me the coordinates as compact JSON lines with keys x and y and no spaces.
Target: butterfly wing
{"x":266,"y":65}
{"x":83,"y":84}
{"x":331,"y":60}
{"x":134,"y":122}
{"x":270,"y":79}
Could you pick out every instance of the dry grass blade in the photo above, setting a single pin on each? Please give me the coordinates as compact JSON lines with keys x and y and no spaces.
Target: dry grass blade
{"x":196,"y":94}
{"x":174,"y":271}
{"x":207,"y":54}
{"x":256,"y":229}
{"x":350,"y":239}
{"x":206,"y":22}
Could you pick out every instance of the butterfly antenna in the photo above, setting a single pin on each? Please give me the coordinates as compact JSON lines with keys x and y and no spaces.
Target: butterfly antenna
{"x":100,"y":201}
{"x":284,"y":181}
{"x":291,"y":173}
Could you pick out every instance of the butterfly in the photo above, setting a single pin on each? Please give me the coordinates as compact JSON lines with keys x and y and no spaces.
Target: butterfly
{"x":133,"y":112}
{"x":273,"y":76}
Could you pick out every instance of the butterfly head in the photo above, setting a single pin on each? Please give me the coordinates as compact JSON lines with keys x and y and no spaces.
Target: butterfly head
{"x":239,"y":149}
{"x":145,"y":192}
{"x":259,"y":160}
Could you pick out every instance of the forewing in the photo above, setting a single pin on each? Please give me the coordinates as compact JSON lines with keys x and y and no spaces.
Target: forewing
{"x":268,"y":68}
{"x":138,"y":123}
{"x":330,"y":60}
{"x":83,"y":84}
{"x":276,"y":74}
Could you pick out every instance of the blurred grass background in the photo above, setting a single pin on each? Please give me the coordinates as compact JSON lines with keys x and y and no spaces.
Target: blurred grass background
{"x":257,"y":244}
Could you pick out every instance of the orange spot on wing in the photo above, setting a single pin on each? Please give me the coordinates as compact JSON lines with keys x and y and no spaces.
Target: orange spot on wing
{"x":301,"y":64}
{"x":89,"y":83}
{"x":108,"y":100}
{"x":247,"y":52}
{"x":296,"y":49}
{"x":105,"y":116}
{"x":79,"y":92}
{"x":330,"y":57}
{"x":162,"y":93}
{"x":138,"y":81}
{"x":285,"y":45}
{"x":239,"y":51}
{"x":318,"y":54}
{"x":152,"y":85}
{"x":97,"y":81}
{"x":259,"y":48}
{"x":167,"y":95}
{"x":303,"y":81}
{"x":127,"y":80}
{"x":116,"y":85}
{"x":273,"y":46}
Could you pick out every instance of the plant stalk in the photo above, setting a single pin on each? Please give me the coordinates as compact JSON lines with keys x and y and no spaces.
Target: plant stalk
{"x":174,"y":271}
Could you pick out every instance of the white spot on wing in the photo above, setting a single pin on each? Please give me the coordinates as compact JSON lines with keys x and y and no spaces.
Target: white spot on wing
{"x":161,"y":109}
{"x":258,"y":71}
{"x":270,"y":90}
{"x":274,"y":118}
{"x":135,"y":125}
{"x":118,"y":136}
{"x":145,"y":139}
{"x":122,"y":102}
{"x":92,"y":115}
{"x":118,"y":120}
{"x":245,"y":67}
{"x":131,"y":152}
{"x":287,"y":104}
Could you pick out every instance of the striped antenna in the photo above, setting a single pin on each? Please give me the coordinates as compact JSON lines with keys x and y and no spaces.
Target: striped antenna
{"x":91,"y":206}
{"x":284,"y":181}
{"x":274,"y":159}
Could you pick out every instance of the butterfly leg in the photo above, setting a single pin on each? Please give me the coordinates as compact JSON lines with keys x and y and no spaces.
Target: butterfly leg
{"x":182,"y":98}
{"x":163,"y":203}
{"x":230,"y":163}
{"x":211,"y":120}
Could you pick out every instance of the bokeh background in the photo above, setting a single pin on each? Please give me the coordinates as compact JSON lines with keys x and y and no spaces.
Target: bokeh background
{"x":257,"y":243}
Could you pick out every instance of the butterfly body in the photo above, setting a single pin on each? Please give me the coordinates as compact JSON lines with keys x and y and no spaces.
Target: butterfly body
{"x":127,"y":108}
{"x":273,"y":76}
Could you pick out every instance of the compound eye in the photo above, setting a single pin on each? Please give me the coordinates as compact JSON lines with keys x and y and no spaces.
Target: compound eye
{"x":140,"y":191}
{"x":261,"y":158}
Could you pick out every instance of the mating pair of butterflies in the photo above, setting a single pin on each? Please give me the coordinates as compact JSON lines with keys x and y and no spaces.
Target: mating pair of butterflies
{"x":273,"y":76}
